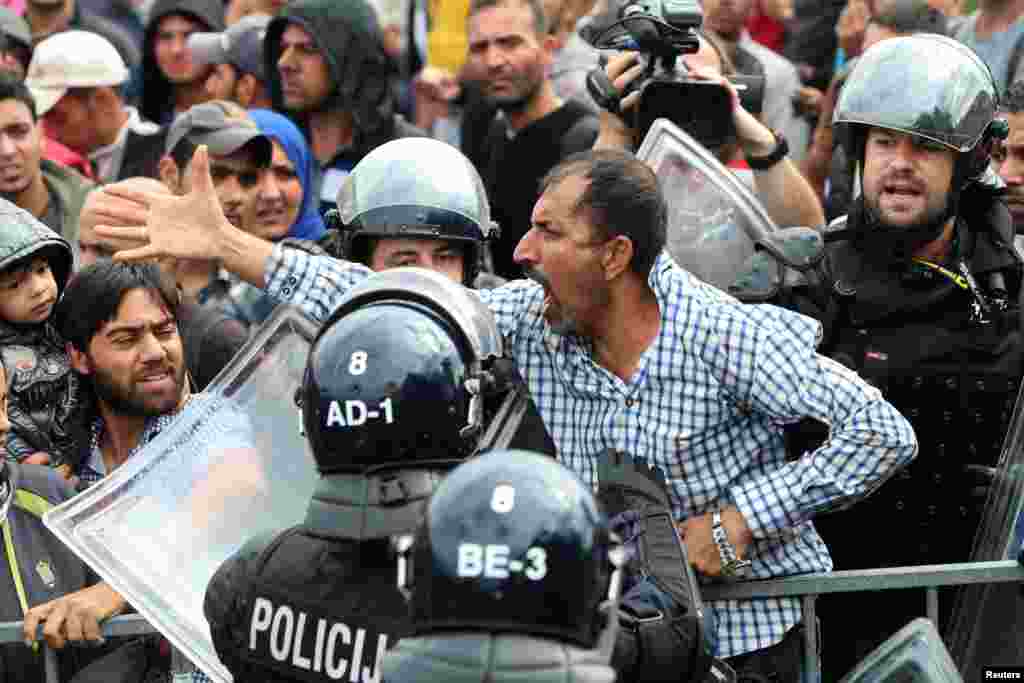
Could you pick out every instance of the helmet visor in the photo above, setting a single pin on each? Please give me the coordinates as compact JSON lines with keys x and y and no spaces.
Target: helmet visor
{"x":923,"y":86}
{"x":416,"y":173}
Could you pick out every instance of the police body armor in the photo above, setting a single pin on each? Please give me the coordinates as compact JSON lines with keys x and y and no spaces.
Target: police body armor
{"x":947,"y":353}
{"x":306,"y":607}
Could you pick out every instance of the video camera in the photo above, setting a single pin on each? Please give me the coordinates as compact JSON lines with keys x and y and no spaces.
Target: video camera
{"x":662,"y":31}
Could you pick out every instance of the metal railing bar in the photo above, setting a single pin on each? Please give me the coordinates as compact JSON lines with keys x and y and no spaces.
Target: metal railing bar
{"x":892,"y":578}
{"x":931,"y":596}
{"x":125,"y":625}
{"x":810,"y":639}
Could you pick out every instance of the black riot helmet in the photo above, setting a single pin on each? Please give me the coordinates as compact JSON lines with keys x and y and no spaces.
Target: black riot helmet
{"x":926,"y":85}
{"x":513,"y":542}
{"x":393,"y":394}
{"x":415,"y":188}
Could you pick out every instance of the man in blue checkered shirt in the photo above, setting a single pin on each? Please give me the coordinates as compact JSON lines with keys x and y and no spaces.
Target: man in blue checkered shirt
{"x":623,"y":349}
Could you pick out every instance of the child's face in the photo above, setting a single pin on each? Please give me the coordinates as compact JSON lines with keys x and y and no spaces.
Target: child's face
{"x":28,"y":293}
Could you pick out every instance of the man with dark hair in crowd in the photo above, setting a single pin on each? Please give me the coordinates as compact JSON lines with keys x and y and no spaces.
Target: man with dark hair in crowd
{"x":210,"y":336}
{"x":327,"y":68}
{"x":171,"y":80}
{"x":120,"y":323}
{"x":622,"y":349}
{"x":811,"y":40}
{"x":47,"y":17}
{"x":1009,"y":155}
{"x":48,"y":191}
{"x":524,"y":128}
{"x":239,"y":72}
{"x":16,"y":50}
{"x":76,"y":78}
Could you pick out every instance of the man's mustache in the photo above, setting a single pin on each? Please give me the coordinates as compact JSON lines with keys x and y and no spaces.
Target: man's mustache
{"x":537,"y":276}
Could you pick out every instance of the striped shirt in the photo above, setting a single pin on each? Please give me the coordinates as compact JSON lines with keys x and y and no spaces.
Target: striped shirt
{"x":707,"y":402}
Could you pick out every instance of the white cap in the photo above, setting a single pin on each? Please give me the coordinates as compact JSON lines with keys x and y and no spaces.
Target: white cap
{"x":72,"y":59}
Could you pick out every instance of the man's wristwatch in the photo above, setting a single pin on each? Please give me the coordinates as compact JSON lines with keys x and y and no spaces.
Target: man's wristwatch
{"x":732,"y":567}
{"x":780,"y":150}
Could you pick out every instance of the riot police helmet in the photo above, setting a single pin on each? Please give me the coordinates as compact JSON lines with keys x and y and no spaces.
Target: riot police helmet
{"x":927,"y":85}
{"x":415,"y":188}
{"x":393,"y":393}
{"x":513,"y":542}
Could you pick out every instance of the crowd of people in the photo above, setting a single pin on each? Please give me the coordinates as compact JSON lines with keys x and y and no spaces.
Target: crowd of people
{"x":173,"y":170}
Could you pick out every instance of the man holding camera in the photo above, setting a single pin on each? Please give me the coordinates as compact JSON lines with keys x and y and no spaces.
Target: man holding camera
{"x":726,"y":21}
{"x":523,"y":128}
{"x":785,"y":193}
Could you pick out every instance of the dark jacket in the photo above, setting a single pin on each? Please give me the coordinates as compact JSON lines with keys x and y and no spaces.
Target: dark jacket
{"x":334,"y":586}
{"x":157,"y":103}
{"x":46,"y":569}
{"x":142,"y":155}
{"x":45,"y":401}
{"x":122,"y":41}
{"x":68,"y":188}
{"x":349,"y":35}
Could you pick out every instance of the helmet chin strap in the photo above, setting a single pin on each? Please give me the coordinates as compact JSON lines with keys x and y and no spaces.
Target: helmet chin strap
{"x":900,"y":243}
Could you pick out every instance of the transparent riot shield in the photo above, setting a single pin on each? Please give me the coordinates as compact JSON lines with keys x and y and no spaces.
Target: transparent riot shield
{"x":232,"y":465}
{"x":914,"y":654}
{"x":714,"y":219}
{"x":987,"y":626}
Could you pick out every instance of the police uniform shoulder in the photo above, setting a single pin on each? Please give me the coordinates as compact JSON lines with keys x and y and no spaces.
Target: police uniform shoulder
{"x":44,"y":482}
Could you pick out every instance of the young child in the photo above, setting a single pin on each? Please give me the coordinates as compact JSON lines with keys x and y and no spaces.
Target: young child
{"x":45,"y":397}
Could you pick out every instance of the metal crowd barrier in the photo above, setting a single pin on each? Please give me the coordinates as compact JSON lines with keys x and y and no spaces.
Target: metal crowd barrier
{"x":807,"y":587}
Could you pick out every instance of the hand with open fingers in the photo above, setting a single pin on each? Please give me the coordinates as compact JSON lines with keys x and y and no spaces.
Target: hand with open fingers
{"x":74,"y":618}
{"x":146,"y":225}
{"x":700,"y":543}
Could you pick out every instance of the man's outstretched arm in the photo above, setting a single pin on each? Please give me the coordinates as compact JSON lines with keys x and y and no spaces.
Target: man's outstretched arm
{"x":145,"y":225}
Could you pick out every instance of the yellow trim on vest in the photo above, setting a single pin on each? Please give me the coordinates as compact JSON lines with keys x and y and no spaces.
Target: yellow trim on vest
{"x":31,"y":502}
{"x":12,"y":560}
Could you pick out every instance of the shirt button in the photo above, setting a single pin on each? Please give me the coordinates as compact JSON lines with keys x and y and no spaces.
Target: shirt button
{"x":292,"y":280}
{"x":629,"y":402}
{"x":286,"y":290}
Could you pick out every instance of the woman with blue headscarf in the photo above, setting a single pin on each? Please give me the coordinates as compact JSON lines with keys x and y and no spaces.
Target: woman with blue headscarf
{"x":285,"y":206}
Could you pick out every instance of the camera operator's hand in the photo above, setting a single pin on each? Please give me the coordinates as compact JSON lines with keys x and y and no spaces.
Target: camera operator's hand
{"x":615,"y":133}
{"x":786,"y":195}
{"x":754,"y":138}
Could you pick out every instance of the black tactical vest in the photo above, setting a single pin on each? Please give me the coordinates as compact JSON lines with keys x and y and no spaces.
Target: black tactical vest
{"x":308,"y":608}
{"x":953,"y":369}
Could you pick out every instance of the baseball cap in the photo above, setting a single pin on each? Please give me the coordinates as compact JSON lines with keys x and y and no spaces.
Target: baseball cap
{"x":224,"y":127}
{"x":909,"y":16}
{"x":72,"y":59}
{"x":241,"y":45}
